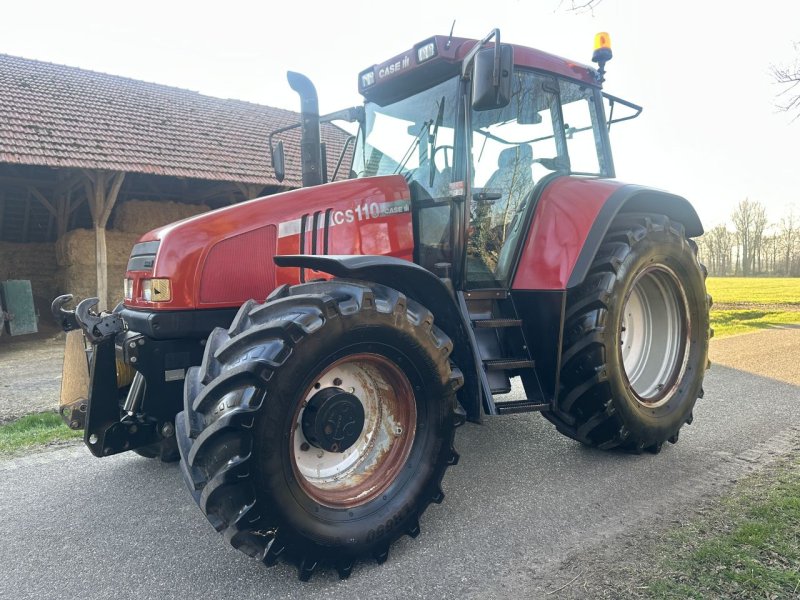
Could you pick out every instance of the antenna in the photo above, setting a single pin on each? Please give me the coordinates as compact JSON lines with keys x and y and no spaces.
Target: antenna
{"x":450,"y":37}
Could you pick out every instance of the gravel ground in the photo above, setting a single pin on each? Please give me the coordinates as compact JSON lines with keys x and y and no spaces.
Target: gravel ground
{"x":30,"y":375}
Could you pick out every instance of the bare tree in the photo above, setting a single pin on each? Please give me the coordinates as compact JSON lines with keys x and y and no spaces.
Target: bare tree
{"x":788,"y":240}
{"x":580,"y":6}
{"x":788,"y":77}
{"x":750,"y":220}
{"x":716,"y":249}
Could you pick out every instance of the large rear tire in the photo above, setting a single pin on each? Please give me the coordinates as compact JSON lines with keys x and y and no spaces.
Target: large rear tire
{"x":319,"y":426}
{"x":636,"y":334}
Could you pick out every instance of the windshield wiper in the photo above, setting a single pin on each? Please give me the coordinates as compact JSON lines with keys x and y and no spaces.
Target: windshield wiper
{"x":414,"y":145}
{"x":432,"y":152}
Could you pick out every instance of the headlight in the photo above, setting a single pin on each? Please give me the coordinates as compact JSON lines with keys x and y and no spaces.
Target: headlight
{"x":128,"y":288}
{"x":156,"y":290}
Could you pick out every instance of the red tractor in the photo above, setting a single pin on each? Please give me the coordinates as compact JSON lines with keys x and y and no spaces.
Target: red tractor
{"x":310,"y":354}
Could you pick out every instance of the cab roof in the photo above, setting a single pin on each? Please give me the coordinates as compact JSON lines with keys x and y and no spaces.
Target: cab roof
{"x":405,"y":73}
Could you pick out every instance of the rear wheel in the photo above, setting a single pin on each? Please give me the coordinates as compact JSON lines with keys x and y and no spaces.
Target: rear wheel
{"x":635,"y":339}
{"x":319,"y":427}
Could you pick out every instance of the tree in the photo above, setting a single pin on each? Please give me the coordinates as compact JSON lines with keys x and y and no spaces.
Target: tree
{"x":750,"y":219}
{"x":716,"y":247}
{"x":789,"y":237}
{"x":579,"y":6}
{"x":788,"y":77}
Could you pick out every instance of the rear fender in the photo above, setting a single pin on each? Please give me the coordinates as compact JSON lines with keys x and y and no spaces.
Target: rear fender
{"x":418,"y":284}
{"x":633,"y":199}
{"x":571,"y":219}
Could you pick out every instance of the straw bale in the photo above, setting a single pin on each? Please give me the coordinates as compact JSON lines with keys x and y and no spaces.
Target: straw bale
{"x":81,"y":282}
{"x":76,"y":259}
{"x":141,"y":216}
{"x":36,"y":262}
{"x":76,"y":247}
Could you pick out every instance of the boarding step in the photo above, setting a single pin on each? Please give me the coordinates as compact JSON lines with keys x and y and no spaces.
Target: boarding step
{"x":488,"y":294}
{"x":520,"y":406}
{"x":496,"y":323}
{"x":508,"y":364}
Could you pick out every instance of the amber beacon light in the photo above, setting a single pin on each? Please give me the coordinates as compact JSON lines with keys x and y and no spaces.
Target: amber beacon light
{"x":602,"y":53}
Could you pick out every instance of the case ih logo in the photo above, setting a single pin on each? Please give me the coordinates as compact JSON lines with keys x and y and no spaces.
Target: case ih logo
{"x":362,"y":212}
{"x":395,"y":67}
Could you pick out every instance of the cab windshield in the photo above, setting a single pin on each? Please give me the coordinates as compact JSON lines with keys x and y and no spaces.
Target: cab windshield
{"x":413,"y":137}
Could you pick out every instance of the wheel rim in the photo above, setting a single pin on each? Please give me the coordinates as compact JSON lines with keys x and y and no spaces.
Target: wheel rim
{"x":653,"y":335}
{"x":362,"y":471}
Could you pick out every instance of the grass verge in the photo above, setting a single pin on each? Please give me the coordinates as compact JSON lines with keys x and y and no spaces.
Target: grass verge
{"x":747,"y":304}
{"x":39,"y":429}
{"x":747,"y":547}
{"x":744,"y":545}
{"x":732,"y":322}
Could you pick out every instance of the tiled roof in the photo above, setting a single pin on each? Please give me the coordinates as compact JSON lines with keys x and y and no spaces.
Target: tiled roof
{"x":62,"y":116}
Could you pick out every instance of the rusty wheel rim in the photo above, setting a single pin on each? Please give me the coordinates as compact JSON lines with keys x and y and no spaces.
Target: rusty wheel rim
{"x":364,"y":470}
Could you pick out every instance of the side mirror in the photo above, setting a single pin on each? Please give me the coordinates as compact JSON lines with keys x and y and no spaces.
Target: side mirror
{"x":492,"y":90}
{"x":279,"y":161}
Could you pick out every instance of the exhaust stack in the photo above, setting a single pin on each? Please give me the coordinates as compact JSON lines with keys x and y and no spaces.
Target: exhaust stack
{"x":310,"y":149}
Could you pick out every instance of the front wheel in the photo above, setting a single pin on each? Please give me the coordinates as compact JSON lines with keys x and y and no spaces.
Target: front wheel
{"x":319,"y":427}
{"x":636,"y":337}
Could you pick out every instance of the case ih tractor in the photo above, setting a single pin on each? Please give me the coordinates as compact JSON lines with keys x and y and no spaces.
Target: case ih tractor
{"x":311,"y":353}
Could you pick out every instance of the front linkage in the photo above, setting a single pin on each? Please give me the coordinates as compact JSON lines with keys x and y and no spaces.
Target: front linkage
{"x":108,"y":429}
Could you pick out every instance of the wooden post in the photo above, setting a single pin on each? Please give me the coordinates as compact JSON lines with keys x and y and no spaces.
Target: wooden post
{"x":48,"y":205}
{"x":102,"y":189}
{"x":27,"y":218}
{"x":63,"y":206}
{"x":2,"y":211}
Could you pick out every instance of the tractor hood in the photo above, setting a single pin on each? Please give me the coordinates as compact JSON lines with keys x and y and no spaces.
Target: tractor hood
{"x":225,"y":257}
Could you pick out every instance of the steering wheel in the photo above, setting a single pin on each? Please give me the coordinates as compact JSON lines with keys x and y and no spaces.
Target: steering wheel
{"x":445,"y":148}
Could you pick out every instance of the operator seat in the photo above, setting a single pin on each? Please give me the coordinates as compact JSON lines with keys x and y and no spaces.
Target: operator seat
{"x":513,"y":179}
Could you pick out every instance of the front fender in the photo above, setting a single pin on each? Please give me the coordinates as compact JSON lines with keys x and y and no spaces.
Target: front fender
{"x":418,"y":284}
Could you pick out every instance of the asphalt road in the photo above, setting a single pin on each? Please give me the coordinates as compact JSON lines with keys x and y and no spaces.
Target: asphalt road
{"x":521,"y":500}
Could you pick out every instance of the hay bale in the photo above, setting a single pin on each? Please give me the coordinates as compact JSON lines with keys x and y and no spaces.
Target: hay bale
{"x":81,"y":282}
{"x":77,"y":247}
{"x":78,"y":280}
{"x":141,"y":216}
{"x":75,"y":252}
{"x":33,"y":261}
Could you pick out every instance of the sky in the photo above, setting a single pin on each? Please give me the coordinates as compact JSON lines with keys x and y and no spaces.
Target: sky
{"x":710,"y":129}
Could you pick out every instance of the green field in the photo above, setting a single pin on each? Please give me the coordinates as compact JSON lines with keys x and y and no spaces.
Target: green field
{"x":747,"y":304}
{"x":749,"y":291}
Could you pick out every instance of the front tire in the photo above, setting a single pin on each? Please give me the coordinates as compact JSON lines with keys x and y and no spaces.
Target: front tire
{"x":319,"y":426}
{"x":636,"y":334}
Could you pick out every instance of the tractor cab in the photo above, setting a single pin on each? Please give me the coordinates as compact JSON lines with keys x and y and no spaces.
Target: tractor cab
{"x":474,"y":153}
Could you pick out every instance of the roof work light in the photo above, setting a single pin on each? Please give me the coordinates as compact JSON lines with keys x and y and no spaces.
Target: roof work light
{"x":602,"y":53}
